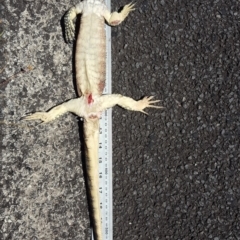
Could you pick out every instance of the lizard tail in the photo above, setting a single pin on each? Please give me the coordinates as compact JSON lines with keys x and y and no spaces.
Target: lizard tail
{"x":91,"y":132}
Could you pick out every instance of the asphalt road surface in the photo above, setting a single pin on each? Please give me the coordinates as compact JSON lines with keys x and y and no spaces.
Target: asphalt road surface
{"x":176,"y":170}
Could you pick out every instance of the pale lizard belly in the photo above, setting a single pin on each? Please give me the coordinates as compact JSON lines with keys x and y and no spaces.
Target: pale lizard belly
{"x":91,"y":56}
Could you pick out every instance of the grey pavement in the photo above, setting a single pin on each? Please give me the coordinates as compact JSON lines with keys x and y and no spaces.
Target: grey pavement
{"x":175,"y":171}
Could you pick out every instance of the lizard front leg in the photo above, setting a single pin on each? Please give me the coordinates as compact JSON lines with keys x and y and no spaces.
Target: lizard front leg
{"x":116,"y":18}
{"x":69,"y":27}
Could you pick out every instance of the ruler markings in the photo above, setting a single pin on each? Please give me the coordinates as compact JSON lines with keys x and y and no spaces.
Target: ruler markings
{"x":105,"y":149}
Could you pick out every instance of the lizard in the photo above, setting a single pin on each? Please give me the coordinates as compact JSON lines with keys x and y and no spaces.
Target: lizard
{"x":90,"y":65}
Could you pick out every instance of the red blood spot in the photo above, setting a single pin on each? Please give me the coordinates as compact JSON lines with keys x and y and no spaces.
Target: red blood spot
{"x":93,"y":116}
{"x":90,"y":99}
{"x":116,"y":22}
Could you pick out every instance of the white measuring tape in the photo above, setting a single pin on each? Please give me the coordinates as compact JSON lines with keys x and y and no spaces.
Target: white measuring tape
{"x":105,"y":149}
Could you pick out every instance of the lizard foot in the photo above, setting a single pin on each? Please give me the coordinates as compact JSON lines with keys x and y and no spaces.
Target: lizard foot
{"x":127,"y":9}
{"x":146,"y":103}
{"x":43,"y":116}
{"x":117,"y":18}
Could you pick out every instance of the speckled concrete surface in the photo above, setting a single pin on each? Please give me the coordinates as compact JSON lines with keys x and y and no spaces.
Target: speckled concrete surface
{"x":176,"y":171}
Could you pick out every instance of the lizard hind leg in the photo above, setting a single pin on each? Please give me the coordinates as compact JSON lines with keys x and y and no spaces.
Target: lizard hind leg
{"x":47,"y":116}
{"x":43,"y":116}
{"x":117,"y":17}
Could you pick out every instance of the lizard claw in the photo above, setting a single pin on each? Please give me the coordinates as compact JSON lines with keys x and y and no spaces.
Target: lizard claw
{"x":43,"y":116}
{"x":127,"y":9}
{"x":117,"y":17}
{"x":147,"y":102}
